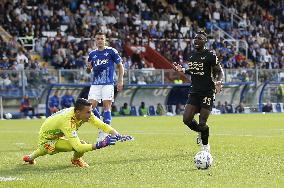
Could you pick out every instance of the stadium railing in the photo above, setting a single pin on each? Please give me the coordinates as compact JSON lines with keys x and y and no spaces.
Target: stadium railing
{"x":247,"y":87}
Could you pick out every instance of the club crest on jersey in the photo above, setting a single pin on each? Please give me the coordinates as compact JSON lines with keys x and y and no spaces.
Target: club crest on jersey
{"x":106,"y":54}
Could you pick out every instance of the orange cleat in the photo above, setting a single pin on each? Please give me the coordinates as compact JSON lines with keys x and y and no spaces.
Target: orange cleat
{"x":27,"y":159}
{"x":79,"y":163}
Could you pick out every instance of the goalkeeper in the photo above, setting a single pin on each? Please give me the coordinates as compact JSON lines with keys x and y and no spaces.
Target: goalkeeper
{"x":58,"y":133}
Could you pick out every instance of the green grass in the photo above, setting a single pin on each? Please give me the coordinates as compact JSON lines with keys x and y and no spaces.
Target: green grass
{"x":248,"y":151}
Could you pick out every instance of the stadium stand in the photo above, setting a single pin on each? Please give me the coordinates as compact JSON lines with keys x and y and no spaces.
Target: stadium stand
{"x":45,"y":42}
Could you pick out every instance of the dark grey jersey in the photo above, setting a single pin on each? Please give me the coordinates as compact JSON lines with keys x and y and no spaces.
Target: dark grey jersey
{"x":200,"y":66}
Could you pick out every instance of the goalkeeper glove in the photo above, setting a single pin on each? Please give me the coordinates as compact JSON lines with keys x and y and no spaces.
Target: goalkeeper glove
{"x":123,"y":138}
{"x":109,"y":140}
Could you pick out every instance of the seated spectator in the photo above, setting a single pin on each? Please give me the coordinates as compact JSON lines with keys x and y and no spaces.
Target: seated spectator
{"x":228,"y":107}
{"x":240,"y":108}
{"x":5,"y":82}
{"x":267,"y":107}
{"x":179,"y":109}
{"x":143,"y":110}
{"x":125,"y":110}
{"x":67,"y":100}
{"x":54,"y":103}
{"x":26,"y":107}
{"x":160,"y":110}
{"x":221,"y":107}
{"x":114,"y":111}
{"x":178,"y":80}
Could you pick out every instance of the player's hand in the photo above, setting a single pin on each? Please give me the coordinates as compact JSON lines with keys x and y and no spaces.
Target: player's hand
{"x":109,"y":140}
{"x":123,"y":138}
{"x":119,"y":85}
{"x":218,"y":86}
{"x":89,"y":67}
{"x":177,"y":67}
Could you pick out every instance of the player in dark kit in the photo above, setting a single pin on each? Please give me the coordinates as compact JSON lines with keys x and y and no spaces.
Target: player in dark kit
{"x":206,"y":80}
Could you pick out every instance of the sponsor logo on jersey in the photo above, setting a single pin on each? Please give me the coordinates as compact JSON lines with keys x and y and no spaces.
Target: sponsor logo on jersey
{"x":100,"y":62}
{"x":196,"y":68}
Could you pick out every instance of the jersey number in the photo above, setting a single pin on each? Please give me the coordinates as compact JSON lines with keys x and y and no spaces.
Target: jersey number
{"x":207,"y":100}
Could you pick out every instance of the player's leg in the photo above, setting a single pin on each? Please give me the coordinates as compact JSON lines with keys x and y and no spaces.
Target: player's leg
{"x":46,"y":147}
{"x":63,"y":145}
{"x":95,"y":96}
{"x":95,"y":110}
{"x":107,"y":97}
{"x":37,"y":153}
{"x":107,"y":111}
{"x":106,"y":119}
{"x":188,"y":117}
{"x":204,"y":114}
{"x":206,"y":107}
{"x":190,"y":110}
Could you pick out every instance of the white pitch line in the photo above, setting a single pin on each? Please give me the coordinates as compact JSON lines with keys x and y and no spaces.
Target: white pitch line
{"x":10,"y":179}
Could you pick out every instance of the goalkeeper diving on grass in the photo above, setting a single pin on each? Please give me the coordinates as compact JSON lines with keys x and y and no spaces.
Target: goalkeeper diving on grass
{"x":58,"y":133}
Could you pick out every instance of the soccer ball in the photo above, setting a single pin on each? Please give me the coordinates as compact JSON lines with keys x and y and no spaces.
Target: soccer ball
{"x":8,"y":115}
{"x":203,"y":160}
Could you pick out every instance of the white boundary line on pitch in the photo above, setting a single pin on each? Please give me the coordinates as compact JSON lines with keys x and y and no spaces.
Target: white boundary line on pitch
{"x":10,"y":179}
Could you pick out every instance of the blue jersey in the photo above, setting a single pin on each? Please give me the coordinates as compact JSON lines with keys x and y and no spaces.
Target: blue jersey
{"x":103,"y":65}
{"x":67,"y":101}
{"x":54,"y":101}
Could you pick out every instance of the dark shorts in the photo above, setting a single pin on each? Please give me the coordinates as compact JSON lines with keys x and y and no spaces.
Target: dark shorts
{"x":201,"y":101}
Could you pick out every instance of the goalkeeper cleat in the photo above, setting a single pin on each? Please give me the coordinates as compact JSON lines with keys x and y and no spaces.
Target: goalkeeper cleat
{"x":102,"y":136}
{"x":205,"y":148}
{"x":28,"y":159}
{"x":198,"y":139}
{"x":79,"y":163}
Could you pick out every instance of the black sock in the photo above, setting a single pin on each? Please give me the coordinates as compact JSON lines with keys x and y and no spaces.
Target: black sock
{"x":193,"y":125}
{"x":205,"y":135}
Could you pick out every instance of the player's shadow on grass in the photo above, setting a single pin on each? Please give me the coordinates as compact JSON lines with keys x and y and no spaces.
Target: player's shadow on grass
{"x":166,"y":158}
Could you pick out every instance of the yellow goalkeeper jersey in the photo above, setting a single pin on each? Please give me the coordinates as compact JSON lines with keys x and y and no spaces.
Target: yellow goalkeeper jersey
{"x":64,"y":123}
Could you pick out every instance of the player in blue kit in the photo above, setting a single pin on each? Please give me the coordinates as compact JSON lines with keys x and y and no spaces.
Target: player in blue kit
{"x":102,"y":62}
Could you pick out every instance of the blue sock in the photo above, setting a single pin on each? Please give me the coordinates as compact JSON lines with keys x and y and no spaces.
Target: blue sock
{"x":96,"y":113}
{"x":107,"y":117}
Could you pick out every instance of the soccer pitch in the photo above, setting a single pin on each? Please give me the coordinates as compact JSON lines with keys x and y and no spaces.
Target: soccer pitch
{"x":248,"y":151}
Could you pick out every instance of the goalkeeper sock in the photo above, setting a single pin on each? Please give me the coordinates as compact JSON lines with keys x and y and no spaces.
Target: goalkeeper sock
{"x":38,"y":153}
{"x":77,"y":155}
{"x":96,"y":113}
{"x":107,"y":117}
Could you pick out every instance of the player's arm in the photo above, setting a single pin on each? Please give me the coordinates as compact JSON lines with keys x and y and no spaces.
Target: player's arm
{"x":118,"y":61}
{"x":179,"y":68}
{"x":100,"y":124}
{"x":108,"y":129}
{"x":218,"y":74}
{"x":120,"y":76}
{"x":71,"y":134}
{"x":89,"y":67}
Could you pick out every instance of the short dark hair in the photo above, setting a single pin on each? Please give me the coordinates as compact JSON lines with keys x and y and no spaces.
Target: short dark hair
{"x":100,"y":33}
{"x":81,"y":103}
{"x":202,"y":32}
